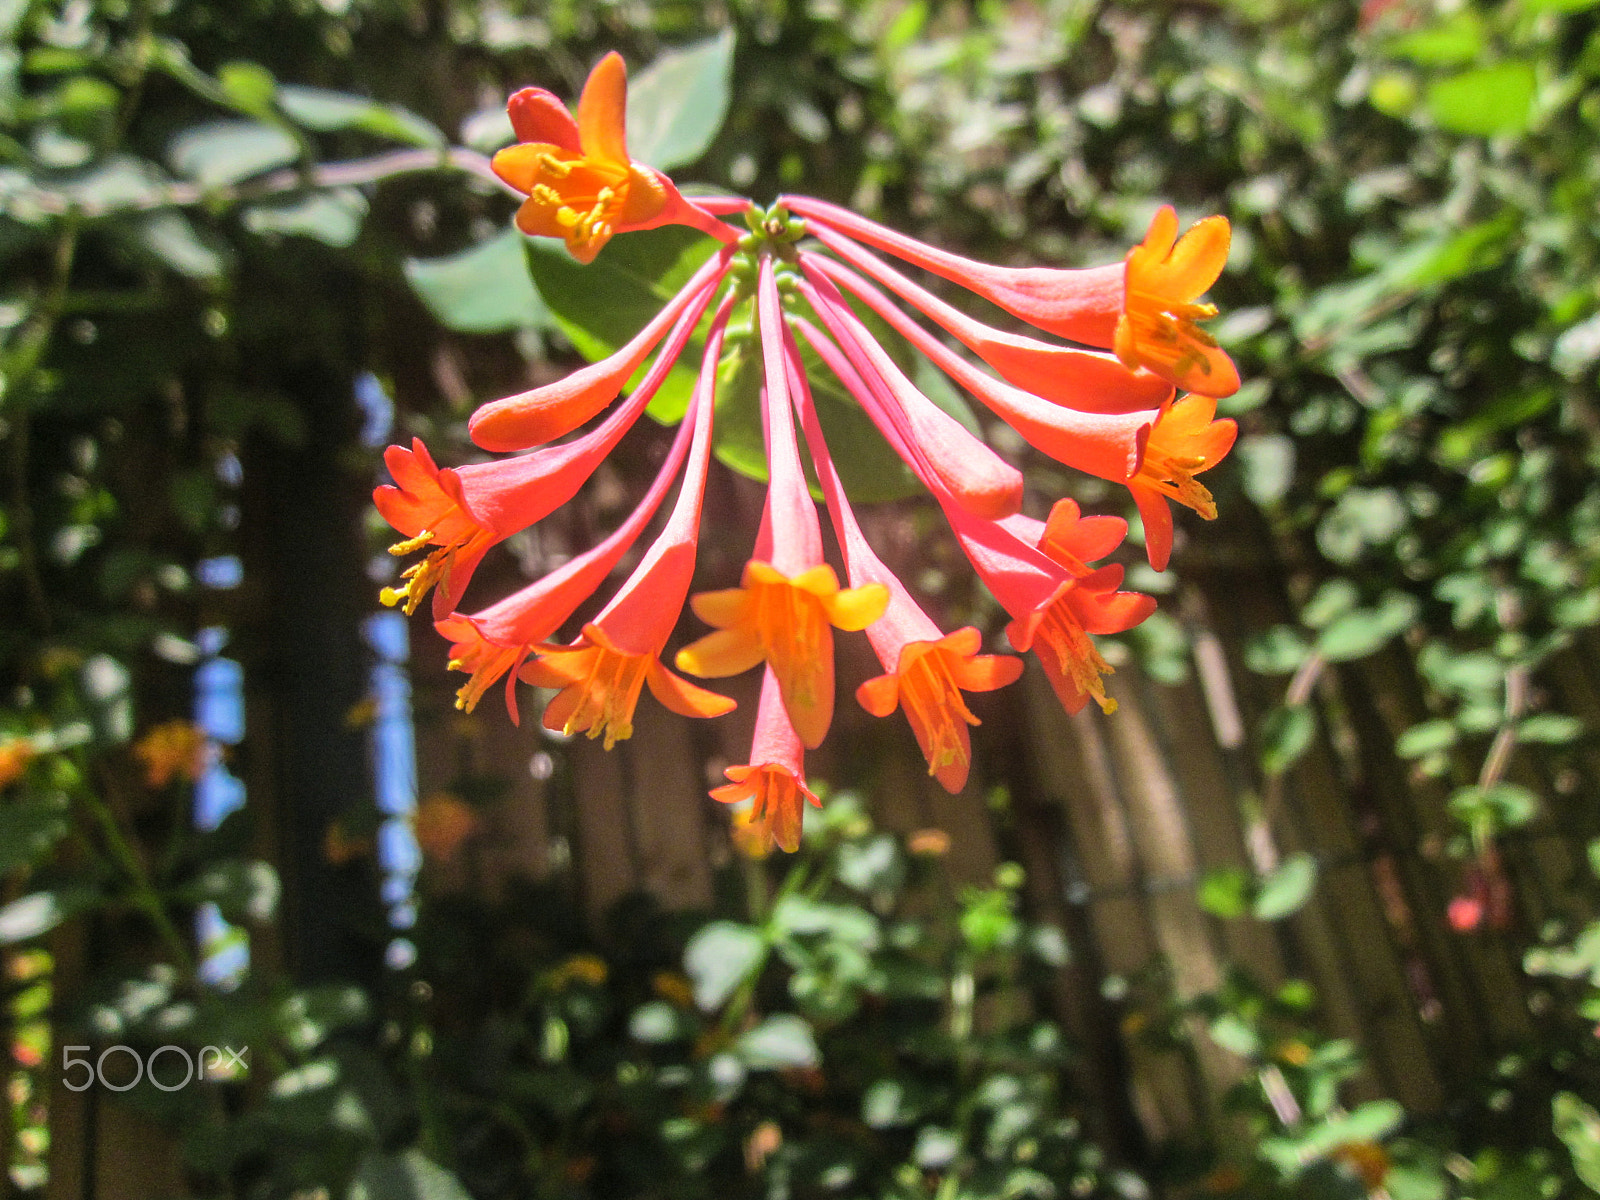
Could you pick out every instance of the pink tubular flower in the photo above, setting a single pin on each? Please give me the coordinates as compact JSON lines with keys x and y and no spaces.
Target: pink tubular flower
{"x":602,"y":673}
{"x":775,"y":778}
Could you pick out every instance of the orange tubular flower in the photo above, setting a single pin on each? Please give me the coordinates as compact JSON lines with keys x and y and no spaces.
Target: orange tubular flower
{"x":1069,"y":375}
{"x":537,"y":416}
{"x":1090,"y":602}
{"x":788,"y":601}
{"x":774,"y":778}
{"x":927,"y":680}
{"x":1180,"y":443}
{"x":600,"y":685}
{"x":1111,"y":445}
{"x":1157,"y":330}
{"x":926,"y":673}
{"x":581,"y":185}
{"x":602,"y":674}
{"x":1143,"y":307}
{"x":495,"y":641}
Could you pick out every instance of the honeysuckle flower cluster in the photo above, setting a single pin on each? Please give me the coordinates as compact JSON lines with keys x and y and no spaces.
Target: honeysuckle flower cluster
{"x":1125,"y":389}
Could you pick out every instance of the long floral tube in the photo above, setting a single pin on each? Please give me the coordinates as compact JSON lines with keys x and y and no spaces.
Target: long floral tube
{"x":1145,"y":308}
{"x":789,"y":599}
{"x":975,"y":475}
{"x":925,"y":671}
{"x":460,"y":513}
{"x":1083,"y":305}
{"x":1066,"y":375}
{"x":1154,"y":454}
{"x":542,"y":414}
{"x":601,"y":675}
{"x":496,"y":640}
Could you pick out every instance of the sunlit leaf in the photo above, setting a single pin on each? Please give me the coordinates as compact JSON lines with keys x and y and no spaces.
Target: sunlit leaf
{"x":678,"y":103}
{"x":484,"y":289}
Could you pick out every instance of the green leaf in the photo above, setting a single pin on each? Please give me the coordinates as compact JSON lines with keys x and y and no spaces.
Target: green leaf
{"x":30,"y":828}
{"x":171,"y":239}
{"x":1286,"y":735}
{"x":677,"y":105}
{"x":1577,"y":961}
{"x":1428,"y":737}
{"x":1362,"y":517}
{"x":1486,"y":101}
{"x":249,"y":85}
{"x":224,"y":152}
{"x":1279,"y":651}
{"x":1369,"y":1123}
{"x":327,"y":111}
{"x":890,"y":1102}
{"x":484,"y":289}
{"x":243,"y":890}
{"x":657,"y":1022}
{"x":120,"y":181}
{"x":407,"y":1176}
{"x":1267,"y":460}
{"x":1494,"y":809}
{"x":41,"y":912}
{"x":1578,"y":1126}
{"x":1550,"y":728}
{"x":332,"y":218}
{"x":781,"y":1041}
{"x":870,"y":865}
{"x":800,"y":916}
{"x":1225,"y":892}
{"x":1454,"y":41}
{"x":1232,"y":1032}
{"x":719,"y":957}
{"x":600,"y":307}
{"x":1286,"y":889}
{"x":1333,"y":599}
{"x":1364,"y":631}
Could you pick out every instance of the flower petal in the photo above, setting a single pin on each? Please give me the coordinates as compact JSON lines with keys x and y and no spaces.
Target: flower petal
{"x":683,"y":697}
{"x":718,"y":655}
{"x":537,"y":116}
{"x":602,"y":111}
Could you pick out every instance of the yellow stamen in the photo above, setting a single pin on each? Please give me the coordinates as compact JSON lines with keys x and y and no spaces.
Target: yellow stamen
{"x":1075,"y":654}
{"x":933,"y":702}
{"x":487,"y":661}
